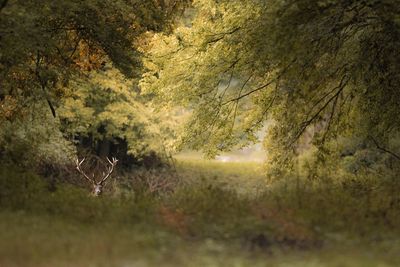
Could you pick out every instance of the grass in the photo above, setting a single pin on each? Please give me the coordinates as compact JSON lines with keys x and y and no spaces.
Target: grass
{"x":221,"y":214}
{"x":28,"y":240}
{"x":245,"y":178}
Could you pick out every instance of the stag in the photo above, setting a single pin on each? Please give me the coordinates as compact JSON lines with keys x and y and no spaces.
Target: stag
{"x":97,"y":186}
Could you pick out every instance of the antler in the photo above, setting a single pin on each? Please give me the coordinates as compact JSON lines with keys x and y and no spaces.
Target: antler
{"x":78,"y":167}
{"x":110,"y":169}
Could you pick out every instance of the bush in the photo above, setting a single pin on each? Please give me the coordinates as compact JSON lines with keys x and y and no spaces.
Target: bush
{"x":34,"y":140}
{"x":25,"y":191}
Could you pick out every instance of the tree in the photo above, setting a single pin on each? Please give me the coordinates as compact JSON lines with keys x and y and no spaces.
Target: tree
{"x":103,"y":113}
{"x":332,"y":66}
{"x":44,"y":43}
{"x":46,"y":46}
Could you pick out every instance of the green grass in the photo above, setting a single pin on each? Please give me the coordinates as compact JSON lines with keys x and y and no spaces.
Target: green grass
{"x":245,"y":178}
{"x":222,"y":214}
{"x":28,"y":240}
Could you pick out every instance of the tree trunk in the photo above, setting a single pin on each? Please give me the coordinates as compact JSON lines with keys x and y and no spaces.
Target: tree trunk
{"x":104,"y":148}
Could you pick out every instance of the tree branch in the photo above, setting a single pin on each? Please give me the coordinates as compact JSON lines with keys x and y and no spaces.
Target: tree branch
{"x":249,"y":93}
{"x":306,"y":123}
{"x":223,"y":34}
{"x":262,"y":86}
{"x":43,"y":85}
{"x":384,"y":149}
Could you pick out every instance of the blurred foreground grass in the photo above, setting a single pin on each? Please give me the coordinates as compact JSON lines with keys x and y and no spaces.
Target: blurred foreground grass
{"x":221,"y":214}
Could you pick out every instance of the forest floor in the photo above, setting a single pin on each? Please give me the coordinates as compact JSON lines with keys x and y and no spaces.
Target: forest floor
{"x":223,"y":214}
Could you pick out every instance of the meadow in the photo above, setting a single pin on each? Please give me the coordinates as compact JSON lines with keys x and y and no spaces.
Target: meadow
{"x":218,"y":214}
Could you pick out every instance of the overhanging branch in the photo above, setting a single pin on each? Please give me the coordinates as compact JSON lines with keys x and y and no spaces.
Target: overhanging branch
{"x":334,"y":98}
{"x":276,"y":79}
{"x":379,"y":147}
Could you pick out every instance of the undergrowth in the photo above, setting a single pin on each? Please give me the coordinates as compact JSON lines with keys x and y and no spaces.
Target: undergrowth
{"x":204,"y":209}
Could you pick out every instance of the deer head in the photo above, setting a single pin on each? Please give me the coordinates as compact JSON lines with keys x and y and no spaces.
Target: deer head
{"x":97,"y":186}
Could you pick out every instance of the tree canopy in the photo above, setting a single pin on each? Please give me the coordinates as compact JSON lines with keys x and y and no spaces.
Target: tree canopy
{"x":54,"y":53}
{"x":328,"y":68}
{"x":44,"y":43}
{"x":312,"y":74}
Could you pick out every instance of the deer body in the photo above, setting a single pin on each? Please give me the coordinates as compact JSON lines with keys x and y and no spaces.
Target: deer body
{"x":97,"y":186}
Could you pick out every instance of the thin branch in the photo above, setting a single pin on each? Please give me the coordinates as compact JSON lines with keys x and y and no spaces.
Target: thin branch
{"x":223,"y":34}
{"x":236,"y":106}
{"x":43,"y":85}
{"x":75,"y":48}
{"x":384,"y":149}
{"x":330,"y":118}
{"x":323,"y":97}
{"x":219,"y":106}
{"x":250,"y":92}
{"x":306,"y":123}
{"x":262,"y":86}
